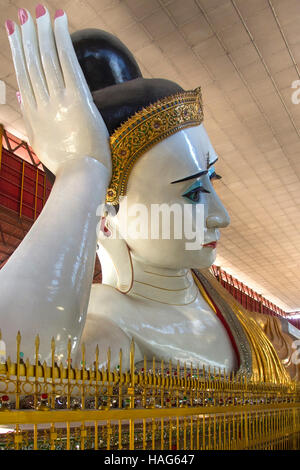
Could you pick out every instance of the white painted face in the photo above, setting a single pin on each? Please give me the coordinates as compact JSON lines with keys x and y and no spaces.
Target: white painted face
{"x":166,"y":175}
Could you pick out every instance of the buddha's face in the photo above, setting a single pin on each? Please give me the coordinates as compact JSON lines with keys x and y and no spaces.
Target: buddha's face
{"x":177,"y":172}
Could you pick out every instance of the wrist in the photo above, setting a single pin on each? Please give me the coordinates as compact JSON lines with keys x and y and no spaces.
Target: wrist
{"x":85,"y":178}
{"x":85,"y":163}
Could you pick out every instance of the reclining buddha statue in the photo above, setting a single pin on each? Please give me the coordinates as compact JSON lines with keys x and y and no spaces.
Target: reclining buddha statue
{"x":120,"y":147}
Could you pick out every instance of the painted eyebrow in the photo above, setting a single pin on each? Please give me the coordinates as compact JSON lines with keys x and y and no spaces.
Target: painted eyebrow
{"x":212,"y":163}
{"x":196,"y":175}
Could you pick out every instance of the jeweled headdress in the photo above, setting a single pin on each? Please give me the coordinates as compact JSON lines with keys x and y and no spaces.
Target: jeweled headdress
{"x":137,"y":111}
{"x":147,"y":127}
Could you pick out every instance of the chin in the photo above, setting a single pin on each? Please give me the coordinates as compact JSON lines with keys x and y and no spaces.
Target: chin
{"x":203,"y":261}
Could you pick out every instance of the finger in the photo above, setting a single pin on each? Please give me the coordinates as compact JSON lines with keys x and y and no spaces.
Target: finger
{"x":51,"y":65}
{"x":72,"y":72}
{"x":15,"y":41}
{"x":32,"y":55}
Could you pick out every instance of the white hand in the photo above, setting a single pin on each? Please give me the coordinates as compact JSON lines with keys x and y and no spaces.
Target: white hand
{"x":60,"y":116}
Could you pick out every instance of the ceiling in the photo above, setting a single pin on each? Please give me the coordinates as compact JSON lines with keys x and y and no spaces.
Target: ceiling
{"x":245,"y":55}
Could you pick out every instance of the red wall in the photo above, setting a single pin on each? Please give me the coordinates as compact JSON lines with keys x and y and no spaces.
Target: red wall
{"x":28,"y":198}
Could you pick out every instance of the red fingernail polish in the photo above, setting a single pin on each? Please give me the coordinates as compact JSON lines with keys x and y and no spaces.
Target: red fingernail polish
{"x":23,"y":15}
{"x":59,"y":13}
{"x":40,"y":10}
{"x":10,"y":27}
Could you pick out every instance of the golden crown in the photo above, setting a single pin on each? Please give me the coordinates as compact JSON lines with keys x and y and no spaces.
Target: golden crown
{"x":144,"y":129}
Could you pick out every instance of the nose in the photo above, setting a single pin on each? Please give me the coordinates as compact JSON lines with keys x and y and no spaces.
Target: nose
{"x":217,"y":216}
{"x":218,"y":221}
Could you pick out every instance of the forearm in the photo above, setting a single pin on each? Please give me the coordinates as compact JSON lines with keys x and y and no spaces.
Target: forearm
{"x":45,"y":286}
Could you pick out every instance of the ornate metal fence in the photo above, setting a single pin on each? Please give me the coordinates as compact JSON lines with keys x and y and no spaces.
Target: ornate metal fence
{"x":60,"y":406}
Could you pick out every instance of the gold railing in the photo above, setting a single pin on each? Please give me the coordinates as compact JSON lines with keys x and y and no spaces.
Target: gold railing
{"x":57,"y":406}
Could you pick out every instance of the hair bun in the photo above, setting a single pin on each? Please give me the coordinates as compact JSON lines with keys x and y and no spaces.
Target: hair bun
{"x":104,"y":59}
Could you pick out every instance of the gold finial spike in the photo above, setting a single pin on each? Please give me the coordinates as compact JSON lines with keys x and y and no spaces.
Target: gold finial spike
{"x":162,"y":367}
{"x":145,"y":365}
{"x":37,"y":347}
{"x":69,"y":356}
{"x":53,"y":346}
{"x":108,"y":359}
{"x":37,"y":342}
{"x":132,"y":347}
{"x":96,"y":363}
{"x":121,"y":361}
{"x":18,"y":348}
{"x":83,"y":356}
{"x":153,"y":365}
{"x":0,"y":334}
{"x":69,"y":346}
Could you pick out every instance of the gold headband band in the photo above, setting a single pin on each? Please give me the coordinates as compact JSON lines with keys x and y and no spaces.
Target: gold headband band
{"x":147,"y":127}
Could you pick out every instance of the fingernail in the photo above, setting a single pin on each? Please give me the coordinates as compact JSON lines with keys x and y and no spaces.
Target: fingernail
{"x":19,"y":97}
{"x":40,"y":10}
{"x":10,"y":27}
{"x":59,"y":13}
{"x":23,"y":15}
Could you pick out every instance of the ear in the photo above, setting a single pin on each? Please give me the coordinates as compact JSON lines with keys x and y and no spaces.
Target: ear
{"x":119,"y":255}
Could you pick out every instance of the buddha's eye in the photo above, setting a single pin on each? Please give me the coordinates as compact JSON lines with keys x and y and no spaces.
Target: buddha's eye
{"x":194,"y":192}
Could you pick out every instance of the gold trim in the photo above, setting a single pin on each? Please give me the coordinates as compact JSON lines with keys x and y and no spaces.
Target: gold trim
{"x":265,"y":364}
{"x":146,"y":128}
{"x":166,"y":303}
{"x":164,"y":275}
{"x":163,"y":288}
{"x":234,"y":325}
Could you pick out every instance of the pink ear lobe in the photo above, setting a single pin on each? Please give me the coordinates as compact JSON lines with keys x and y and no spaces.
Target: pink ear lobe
{"x":103,"y":227}
{"x":10,"y":27}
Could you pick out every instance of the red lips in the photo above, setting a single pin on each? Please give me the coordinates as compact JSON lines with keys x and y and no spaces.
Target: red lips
{"x":211,"y":245}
